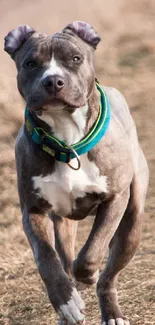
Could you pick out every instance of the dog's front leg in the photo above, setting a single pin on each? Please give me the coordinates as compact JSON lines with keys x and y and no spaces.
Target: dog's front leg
{"x":109,"y":215}
{"x":61,"y":291}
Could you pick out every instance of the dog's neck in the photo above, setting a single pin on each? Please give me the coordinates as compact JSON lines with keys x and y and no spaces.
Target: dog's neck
{"x":65,"y":126}
{"x":71,"y":126}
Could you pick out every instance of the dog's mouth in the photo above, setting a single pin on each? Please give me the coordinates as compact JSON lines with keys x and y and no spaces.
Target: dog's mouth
{"x":53,"y":105}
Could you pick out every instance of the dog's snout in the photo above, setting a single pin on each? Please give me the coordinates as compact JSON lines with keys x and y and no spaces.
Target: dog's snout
{"x":53,"y":83}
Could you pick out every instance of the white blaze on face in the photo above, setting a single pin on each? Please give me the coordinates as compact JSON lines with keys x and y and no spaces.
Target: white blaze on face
{"x":53,"y":69}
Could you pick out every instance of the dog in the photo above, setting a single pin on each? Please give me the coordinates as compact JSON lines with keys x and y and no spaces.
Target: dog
{"x":104,"y":171}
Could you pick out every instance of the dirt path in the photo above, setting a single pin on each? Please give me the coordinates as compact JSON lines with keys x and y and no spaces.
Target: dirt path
{"x":126,"y":60}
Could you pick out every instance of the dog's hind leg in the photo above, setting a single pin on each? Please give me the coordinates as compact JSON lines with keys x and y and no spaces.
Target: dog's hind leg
{"x":122,"y":248}
{"x":65,"y":235}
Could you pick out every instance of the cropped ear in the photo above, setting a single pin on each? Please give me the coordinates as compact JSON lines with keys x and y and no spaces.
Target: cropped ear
{"x":85,"y":31}
{"x":14,"y":40}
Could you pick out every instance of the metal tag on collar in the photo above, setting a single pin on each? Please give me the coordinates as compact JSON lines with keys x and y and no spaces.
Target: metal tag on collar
{"x":76,"y":156}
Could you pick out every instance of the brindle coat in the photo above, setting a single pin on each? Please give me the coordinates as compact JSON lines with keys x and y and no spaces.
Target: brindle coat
{"x":118,"y":206}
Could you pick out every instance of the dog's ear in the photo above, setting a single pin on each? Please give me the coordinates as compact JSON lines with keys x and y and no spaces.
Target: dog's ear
{"x":85,"y":31}
{"x":14,"y":40}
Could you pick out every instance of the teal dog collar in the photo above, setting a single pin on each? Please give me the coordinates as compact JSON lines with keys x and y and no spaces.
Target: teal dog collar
{"x":60,"y":149}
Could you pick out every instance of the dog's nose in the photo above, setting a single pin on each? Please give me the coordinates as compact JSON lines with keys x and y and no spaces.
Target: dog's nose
{"x":53,"y":83}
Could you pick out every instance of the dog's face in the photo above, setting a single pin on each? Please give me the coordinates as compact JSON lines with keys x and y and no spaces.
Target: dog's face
{"x":54,"y":71}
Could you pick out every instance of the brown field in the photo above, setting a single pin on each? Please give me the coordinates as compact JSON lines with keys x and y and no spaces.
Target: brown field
{"x":126,"y":60}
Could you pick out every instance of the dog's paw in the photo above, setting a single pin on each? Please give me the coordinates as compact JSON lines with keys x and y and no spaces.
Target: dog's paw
{"x":117,"y":321}
{"x":82,"y":285}
{"x":72,"y":312}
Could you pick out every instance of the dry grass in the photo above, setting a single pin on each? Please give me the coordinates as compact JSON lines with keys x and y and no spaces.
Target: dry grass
{"x":125,"y":60}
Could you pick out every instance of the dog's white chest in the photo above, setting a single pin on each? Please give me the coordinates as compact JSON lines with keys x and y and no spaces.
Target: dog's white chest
{"x":64,"y":185}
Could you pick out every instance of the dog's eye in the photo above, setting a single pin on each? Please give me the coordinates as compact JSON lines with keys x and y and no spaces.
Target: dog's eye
{"x":76,"y":58}
{"x":30,"y":64}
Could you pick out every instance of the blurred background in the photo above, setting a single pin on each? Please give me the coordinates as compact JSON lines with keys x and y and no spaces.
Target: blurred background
{"x":125,"y":59}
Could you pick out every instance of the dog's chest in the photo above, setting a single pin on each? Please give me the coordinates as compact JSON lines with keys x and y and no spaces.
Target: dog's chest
{"x":68,"y":190}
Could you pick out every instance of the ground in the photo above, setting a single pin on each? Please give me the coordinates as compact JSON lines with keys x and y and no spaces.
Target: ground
{"x":126,"y":60}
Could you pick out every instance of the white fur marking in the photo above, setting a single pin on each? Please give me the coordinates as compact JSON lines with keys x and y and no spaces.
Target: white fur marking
{"x":52,"y":69}
{"x":111,"y":322}
{"x":72,"y":310}
{"x":64,"y":185}
{"x":120,"y":321}
{"x":66,"y":127}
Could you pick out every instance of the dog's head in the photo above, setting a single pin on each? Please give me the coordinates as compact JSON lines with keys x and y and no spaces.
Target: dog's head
{"x":54,"y":71}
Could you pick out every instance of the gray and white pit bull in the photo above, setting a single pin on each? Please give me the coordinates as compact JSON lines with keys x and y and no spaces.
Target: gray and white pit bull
{"x":56,"y":78}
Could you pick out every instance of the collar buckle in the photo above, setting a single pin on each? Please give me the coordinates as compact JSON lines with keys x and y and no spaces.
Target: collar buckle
{"x":52,"y":148}
{"x":46,"y":146}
